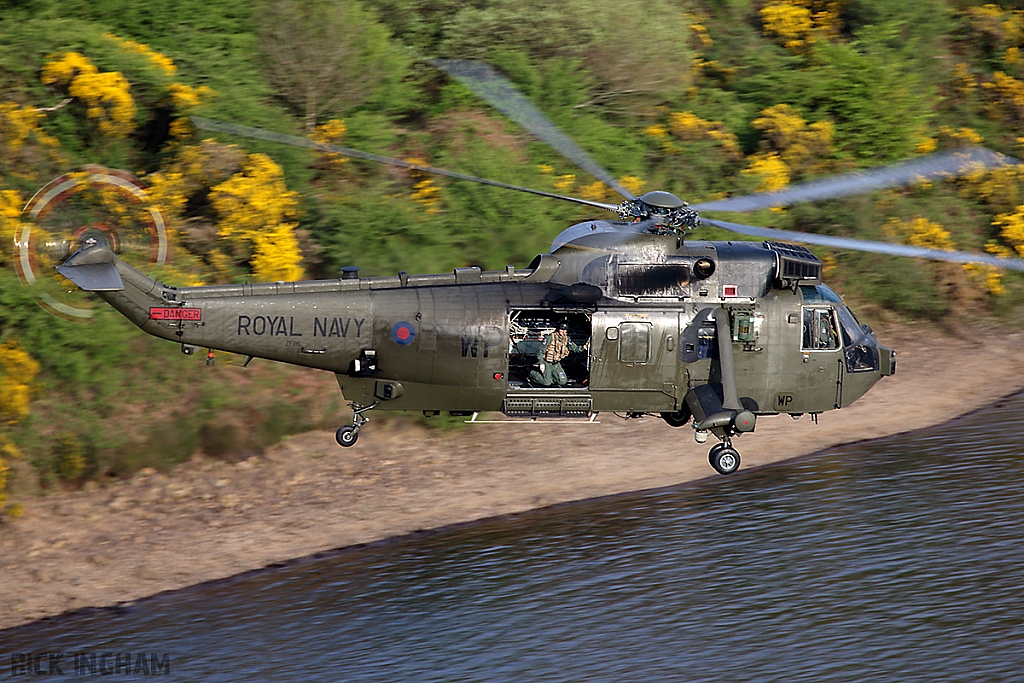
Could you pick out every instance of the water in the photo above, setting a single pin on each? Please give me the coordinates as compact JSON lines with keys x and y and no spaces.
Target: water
{"x":892,"y":560}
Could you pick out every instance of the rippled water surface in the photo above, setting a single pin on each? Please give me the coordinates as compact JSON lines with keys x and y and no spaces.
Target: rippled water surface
{"x":900,"y":560}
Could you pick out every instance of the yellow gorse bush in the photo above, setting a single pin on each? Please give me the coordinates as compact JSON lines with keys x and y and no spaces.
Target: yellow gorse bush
{"x":331,"y":133}
{"x":922,"y":232}
{"x":105,"y":94}
{"x":700,"y":30}
{"x":3,"y":480}
{"x":790,"y":22}
{"x":21,"y":140}
{"x":165,"y":64}
{"x":20,"y":124}
{"x":425,"y":191}
{"x":8,"y":451}
{"x":565,"y":183}
{"x":789,"y":146}
{"x":183,"y":98}
{"x":797,"y":23}
{"x":632,"y":184}
{"x":995,"y":25}
{"x":656,"y":131}
{"x":107,"y":97}
{"x":1011,"y":228}
{"x":19,"y":370}
{"x":595,"y":191}
{"x":688,"y":127}
{"x":11,"y":204}
{"x":800,"y":145}
{"x":255,"y":206}
{"x":276,"y":254}
{"x":1007,"y":96}
{"x":928,"y":234}
{"x":999,"y":188}
{"x":959,"y":136}
{"x":990,"y":277}
{"x":770,"y":169}
{"x":964,"y":81}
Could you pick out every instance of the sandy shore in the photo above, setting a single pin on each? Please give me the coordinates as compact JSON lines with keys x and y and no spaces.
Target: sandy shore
{"x":213,"y":519}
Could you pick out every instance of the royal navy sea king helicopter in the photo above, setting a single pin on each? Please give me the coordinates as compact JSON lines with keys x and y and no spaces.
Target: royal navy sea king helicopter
{"x":713,"y":332}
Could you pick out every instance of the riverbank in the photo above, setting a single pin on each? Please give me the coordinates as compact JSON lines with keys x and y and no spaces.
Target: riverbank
{"x":213,"y":519}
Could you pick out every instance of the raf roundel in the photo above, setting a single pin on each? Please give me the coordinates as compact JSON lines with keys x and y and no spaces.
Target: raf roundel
{"x":403,"y":333}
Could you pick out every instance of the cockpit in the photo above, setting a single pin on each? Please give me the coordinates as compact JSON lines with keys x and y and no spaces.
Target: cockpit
{"x":827,"y":321}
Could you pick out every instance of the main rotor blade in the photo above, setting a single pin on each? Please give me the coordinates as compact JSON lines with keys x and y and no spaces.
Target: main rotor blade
{"x":865,"y":245}
{"x":499,"y":92}
{"x":941,"y":165}
{"x":260,"y":134}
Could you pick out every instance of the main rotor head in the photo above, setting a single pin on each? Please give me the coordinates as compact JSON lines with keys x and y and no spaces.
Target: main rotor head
{"x":667,"y":212}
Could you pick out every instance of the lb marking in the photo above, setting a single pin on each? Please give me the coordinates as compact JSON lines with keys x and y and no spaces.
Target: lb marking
{"x":403,"y":333}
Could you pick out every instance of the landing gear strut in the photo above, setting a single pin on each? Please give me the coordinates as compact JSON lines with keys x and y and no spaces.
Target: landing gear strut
{"x":346,"y":436}
{"x":724,"y":458}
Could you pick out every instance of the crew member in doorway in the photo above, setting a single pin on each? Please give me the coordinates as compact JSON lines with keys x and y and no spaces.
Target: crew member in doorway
{"x":554,"y":349}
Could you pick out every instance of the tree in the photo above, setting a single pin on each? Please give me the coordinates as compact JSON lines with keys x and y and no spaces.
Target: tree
{"x":324,"y":57}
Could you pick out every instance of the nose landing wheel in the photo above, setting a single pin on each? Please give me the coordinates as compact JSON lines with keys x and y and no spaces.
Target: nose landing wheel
{"x":724,"y":458}
{"x":348,"y":434}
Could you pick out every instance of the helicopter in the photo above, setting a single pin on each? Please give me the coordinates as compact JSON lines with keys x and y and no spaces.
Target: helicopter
{"x":714,"y":334}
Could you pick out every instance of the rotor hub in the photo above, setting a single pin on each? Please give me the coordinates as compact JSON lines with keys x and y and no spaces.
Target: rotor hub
{"x":670,"y":213}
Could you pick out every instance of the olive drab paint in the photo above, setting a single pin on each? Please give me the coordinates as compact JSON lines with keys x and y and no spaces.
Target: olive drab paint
{"x":433,"y":342}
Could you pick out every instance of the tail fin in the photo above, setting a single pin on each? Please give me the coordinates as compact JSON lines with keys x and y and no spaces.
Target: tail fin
{"x":93,"y":268}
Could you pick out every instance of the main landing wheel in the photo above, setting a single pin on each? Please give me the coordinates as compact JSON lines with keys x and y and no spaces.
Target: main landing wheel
{"x":725,"y":459}
{"x":346,"y":436}
{"x":677,"y":419}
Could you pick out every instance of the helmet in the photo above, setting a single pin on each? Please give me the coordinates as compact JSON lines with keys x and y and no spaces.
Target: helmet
{"x":563,"y":325}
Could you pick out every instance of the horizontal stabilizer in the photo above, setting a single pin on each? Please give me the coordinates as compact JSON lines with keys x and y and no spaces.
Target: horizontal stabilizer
{"x":93,"y":277}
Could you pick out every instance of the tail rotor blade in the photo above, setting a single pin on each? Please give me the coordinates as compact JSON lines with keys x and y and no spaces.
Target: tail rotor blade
{"x":868,"y":246}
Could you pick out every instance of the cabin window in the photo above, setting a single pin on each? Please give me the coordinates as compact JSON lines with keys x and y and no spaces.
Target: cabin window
{"x":821,"y":333}
{"x":634,"y":342}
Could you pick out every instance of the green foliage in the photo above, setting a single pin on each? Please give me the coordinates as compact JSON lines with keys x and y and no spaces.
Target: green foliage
{"x":606,"y":71}
{"x":69,"y":456}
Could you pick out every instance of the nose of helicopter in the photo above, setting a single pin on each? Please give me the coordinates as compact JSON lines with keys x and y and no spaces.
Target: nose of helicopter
{"x":887,"y":360}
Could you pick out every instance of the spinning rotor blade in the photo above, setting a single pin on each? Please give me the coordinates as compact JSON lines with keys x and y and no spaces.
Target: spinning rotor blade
{"x":865,"y":245}
{"x":941,"y":165}
{"x":260,"y":134}
{"x":499,"y":92}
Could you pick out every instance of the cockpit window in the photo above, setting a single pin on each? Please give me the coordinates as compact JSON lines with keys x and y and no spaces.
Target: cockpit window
{"x":820,"y":330}
{"x":819,"y":294}
{"x":860,"y":347}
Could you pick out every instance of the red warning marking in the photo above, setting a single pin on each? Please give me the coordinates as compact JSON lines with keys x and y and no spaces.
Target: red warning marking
{"x":175,"y":314}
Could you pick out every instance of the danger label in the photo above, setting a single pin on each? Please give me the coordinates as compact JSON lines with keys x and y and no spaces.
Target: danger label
{"x":175,"y":314}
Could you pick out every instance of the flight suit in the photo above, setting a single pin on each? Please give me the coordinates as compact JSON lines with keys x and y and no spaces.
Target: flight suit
{"x":553,"y":350}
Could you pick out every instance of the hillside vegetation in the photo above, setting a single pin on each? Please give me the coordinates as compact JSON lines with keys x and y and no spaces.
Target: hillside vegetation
{"x":705,"y":99}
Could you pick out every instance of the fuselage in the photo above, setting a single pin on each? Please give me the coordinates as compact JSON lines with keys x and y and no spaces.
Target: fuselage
{"x":465,"y":341}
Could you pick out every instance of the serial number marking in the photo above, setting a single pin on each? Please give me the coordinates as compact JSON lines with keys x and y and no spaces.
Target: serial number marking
{"x":175,"y":314}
